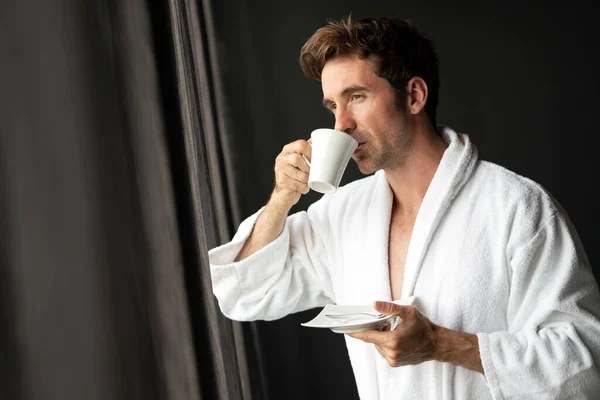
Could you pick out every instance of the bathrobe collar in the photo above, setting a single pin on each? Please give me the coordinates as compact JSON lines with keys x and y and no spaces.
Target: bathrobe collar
{"x":453,"y":172}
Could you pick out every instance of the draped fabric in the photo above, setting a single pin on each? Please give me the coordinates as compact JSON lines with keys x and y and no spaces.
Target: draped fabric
{"x":111,"y":171}
{"x":210,"y":197}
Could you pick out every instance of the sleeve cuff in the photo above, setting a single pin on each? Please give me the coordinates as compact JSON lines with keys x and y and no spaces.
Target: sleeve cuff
{"x":225,"y":254}
{"x":257,"y":267}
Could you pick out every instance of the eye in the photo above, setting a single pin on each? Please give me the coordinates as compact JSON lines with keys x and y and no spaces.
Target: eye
{"x":332,"y":106}
{"x":357,"y":96}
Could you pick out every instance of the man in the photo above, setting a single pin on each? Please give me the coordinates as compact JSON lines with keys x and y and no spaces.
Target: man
{"x":505,"y":302}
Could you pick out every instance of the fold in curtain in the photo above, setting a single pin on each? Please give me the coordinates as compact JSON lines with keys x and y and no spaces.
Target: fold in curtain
{"x":209,"y":195}
{"x":104,"y":286}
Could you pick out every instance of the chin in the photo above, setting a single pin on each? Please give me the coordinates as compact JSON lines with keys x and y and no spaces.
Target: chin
{"x":362,"y":164}
{"x":366,"y":170}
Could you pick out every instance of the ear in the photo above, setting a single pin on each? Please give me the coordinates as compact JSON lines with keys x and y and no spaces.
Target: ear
{"x":417,"y":94}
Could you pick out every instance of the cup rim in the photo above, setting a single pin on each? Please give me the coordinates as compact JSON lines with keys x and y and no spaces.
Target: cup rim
{"x":339,"y":133}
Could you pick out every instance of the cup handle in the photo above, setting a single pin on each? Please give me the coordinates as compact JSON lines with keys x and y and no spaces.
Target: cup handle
{"x":306,"y":159}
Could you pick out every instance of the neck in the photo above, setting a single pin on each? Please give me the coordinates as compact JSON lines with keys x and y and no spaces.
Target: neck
{"x":410,"y":181}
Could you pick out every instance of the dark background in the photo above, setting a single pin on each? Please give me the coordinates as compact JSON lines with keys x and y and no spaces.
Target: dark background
{"x":519,"y":78}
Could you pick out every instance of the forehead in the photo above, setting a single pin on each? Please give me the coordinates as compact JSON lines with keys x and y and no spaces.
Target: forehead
{"x":341,"y":73}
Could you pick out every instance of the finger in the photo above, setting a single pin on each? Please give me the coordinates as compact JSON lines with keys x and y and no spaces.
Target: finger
{"x":296,"y":160}
{"x":357,"y":335}
{"x":371,"y":336}
{"x":296,"y":174}
{"x":294,"y":185}
{"x":295,"y":147}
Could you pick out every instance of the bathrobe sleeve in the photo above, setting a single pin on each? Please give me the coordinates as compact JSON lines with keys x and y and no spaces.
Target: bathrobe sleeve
{"x":552,"y":344}
{"x":290,"y":274}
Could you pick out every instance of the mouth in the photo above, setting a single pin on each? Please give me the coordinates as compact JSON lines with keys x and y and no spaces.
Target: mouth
{"x":359,"y":149}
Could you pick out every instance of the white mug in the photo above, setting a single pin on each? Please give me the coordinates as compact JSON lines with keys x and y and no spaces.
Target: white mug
{"x":331,"y":152}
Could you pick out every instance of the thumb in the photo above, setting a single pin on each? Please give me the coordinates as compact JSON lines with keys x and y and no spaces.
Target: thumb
{"x":385,"y":307}
{"x":389,"y":308}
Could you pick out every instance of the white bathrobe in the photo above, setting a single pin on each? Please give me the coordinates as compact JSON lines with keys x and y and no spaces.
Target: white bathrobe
{"x":491,"y":254}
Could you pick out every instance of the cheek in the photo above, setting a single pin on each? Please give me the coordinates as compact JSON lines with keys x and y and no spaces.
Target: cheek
{"x":369,"y":123}
{"x":376,"y":118}
{"x":395,"y":122}
{"x":365,"y":114}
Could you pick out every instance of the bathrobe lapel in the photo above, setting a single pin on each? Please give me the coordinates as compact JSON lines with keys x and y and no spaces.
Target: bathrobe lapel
{"x":373,"y":279}
{"x":376,"y":281}
{"x":454,"y":170}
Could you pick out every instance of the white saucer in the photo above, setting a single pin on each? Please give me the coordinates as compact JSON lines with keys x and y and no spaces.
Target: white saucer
{"x":353,"y":318}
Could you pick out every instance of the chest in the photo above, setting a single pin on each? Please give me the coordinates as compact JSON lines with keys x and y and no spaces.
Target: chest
{"x":399,"y":240}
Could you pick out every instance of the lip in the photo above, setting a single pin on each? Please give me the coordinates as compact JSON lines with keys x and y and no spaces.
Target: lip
{"x":359,"y":148}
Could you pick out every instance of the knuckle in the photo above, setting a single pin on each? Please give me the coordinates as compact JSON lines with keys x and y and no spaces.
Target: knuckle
{"x":389,"y":308}
{"x":293,"y":146}
{"x":296,"y":157}
{"x":280,"y":161}
{"x":296,"y":174}
{"x":301,"y":175}
{"x":301,"y":143}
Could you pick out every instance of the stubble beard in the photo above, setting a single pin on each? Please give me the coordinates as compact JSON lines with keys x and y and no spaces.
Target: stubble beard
{"x":390,"y":156}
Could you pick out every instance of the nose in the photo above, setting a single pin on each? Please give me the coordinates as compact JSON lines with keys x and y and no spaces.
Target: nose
{"x":344,"y":120}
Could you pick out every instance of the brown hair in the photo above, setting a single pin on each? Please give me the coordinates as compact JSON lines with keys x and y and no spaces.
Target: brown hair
{"x":402,"y":51}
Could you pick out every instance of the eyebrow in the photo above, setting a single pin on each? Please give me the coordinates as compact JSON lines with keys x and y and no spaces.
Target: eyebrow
{"x":344,"y":93}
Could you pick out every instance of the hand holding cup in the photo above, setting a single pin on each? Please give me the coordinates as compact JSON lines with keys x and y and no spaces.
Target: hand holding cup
{"x":291,"y":173}
{"x":317,"y":164}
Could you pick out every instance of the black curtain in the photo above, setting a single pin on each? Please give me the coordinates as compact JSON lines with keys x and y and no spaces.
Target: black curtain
{"x":112,"y":188}
{"x":231,"y":362}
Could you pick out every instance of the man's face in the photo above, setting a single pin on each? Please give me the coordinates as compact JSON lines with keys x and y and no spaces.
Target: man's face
{"x":365,"y":107}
